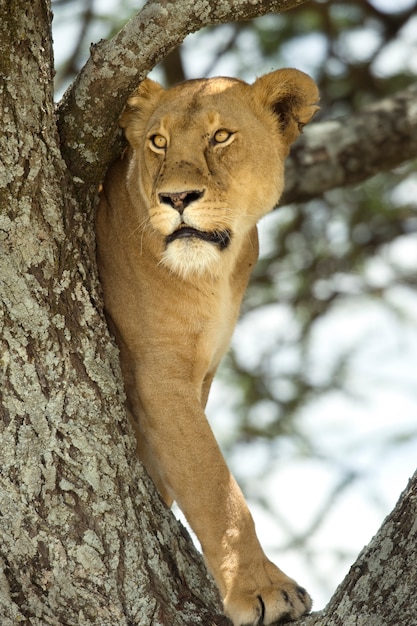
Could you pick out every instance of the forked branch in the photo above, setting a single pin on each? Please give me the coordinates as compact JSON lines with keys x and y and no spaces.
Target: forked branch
{"x":88,"y":113}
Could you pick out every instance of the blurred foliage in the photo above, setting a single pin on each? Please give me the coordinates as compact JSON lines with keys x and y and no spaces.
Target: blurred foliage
{"x":334,"y":253}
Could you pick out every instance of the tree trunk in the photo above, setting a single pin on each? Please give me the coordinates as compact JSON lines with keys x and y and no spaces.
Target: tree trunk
{"x":84,"y":537}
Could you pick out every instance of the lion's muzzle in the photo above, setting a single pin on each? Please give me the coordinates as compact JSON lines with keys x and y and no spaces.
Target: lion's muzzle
{"x":220,"y":238}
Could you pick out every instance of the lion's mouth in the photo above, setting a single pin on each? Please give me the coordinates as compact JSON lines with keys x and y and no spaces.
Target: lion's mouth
{"x":219,"y":237}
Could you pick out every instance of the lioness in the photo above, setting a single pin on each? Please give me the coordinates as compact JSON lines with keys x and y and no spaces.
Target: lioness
{"x":177,"y":239}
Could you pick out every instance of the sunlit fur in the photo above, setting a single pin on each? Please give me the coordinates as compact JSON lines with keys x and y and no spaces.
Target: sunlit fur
{"x":172,"y":303}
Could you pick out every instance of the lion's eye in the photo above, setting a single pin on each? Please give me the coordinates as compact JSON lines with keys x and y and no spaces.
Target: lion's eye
{"x":159,"y":141}
{"x":222,"y":135}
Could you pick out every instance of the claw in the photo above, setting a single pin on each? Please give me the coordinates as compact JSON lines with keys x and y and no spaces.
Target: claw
{"x":261,"y":619}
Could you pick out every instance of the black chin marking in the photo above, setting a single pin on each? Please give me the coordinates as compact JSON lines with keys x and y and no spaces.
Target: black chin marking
{"x":220,"y":238}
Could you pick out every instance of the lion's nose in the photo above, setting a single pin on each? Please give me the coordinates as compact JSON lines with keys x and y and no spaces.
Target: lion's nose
{"x":180,"y":200}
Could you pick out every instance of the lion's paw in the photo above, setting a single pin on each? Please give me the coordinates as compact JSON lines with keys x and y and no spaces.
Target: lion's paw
{"x":281,"y":601}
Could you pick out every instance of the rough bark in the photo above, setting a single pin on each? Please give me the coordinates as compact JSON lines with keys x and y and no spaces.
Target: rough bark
{"x":84,"y":538}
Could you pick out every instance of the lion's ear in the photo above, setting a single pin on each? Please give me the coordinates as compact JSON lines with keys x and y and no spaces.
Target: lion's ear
{"x":141,"y":104}
{"x":292,"y":96}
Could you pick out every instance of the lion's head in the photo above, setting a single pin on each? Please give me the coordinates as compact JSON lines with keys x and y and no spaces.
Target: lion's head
{"x":207,"y":161}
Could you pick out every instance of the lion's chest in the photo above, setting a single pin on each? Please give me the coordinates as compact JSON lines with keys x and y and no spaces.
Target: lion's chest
{"x":217,"y":328}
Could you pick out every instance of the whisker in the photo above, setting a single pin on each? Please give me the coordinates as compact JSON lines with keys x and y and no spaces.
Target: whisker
{"x":144,"y":220}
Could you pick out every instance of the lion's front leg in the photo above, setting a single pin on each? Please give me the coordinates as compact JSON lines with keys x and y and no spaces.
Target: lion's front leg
{"x":254,"y":591}
{"x":194,"y":472}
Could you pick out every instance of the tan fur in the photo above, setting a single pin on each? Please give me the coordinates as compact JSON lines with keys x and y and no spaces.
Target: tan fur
{"x":172,"y":304}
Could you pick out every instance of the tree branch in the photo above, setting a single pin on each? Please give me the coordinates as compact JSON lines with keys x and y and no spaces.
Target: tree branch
{"x":378,"y":589}
{"x":349,"y":150}
{"x":88,"y":113}
{"x":330,"y":154}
